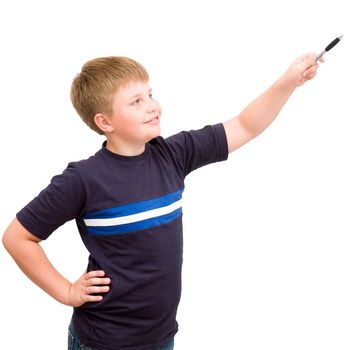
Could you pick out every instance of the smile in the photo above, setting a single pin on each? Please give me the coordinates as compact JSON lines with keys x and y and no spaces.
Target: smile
{"x":154,"y":120}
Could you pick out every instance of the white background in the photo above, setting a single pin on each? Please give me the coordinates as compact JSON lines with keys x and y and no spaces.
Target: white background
{"x":266,"y":254}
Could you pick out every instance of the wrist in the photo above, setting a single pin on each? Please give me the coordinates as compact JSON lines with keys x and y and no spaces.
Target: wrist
{"x":67,"y":295}
{"x":62,"y":292}
{"x":287,"y":83}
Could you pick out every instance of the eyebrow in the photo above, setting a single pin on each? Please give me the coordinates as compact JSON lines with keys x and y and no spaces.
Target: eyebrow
{"x":140,"y":94}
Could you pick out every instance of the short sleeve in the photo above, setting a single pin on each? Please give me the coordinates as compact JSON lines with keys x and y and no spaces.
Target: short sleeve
{"x":61,"y":201}
{"x":196,"y":148}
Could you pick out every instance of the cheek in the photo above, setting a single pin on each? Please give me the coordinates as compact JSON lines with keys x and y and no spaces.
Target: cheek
{"x":133,"y":126}
{"x":129,"y":124}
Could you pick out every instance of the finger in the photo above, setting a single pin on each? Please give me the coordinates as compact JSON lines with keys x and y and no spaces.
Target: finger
{"x":96,"y":273}
{"x":311,"y":73}
{"x":97,"y":281}
{"x":92,"y":298}
{"x":310,"y":70}
{"x":95,"y":289}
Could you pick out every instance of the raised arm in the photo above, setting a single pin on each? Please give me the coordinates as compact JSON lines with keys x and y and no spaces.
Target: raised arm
{"x":25,"y":249}
{"x":261,"y":112}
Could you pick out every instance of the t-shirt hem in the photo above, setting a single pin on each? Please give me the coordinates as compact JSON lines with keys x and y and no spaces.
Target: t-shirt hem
{"x":98,"y":346}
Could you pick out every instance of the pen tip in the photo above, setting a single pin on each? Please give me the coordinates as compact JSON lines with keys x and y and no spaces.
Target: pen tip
{"x":341,"y":37}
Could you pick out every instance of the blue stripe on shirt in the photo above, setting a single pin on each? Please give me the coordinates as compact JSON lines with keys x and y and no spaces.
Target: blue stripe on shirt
{"x":135,"y":208}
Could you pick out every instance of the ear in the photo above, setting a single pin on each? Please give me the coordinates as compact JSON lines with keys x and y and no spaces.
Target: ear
{"x":103,"y":122}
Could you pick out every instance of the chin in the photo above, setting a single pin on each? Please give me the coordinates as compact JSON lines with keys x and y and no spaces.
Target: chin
{"x":155,"y":133}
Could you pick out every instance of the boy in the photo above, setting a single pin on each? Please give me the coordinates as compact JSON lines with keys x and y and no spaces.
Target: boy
{"x":126,"y":200}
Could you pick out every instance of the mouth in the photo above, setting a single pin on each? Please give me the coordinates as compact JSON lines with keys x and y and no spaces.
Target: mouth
{"x":154,"y":120}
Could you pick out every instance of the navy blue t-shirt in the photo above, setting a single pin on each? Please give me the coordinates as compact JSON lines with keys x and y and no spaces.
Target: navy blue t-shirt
{"x":129,"y":215}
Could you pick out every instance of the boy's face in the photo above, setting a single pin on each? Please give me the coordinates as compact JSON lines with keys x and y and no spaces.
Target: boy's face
{"x":136,"y":115}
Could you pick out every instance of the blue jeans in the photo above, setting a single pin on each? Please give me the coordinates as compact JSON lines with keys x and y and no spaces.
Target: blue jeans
{"x":74,"y":342}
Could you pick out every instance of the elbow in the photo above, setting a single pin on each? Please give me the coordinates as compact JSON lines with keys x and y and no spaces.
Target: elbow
{"x":13,"y":236}
{"x":7,"y":240}
{"x":251,"y":129}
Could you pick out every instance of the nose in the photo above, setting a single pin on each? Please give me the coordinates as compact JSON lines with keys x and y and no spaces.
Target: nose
{"x":153,"y":107}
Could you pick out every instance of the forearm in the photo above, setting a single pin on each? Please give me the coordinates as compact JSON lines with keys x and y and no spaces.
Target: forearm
{"x":32,"y":260}
{"x":258,"y":115}
{"x":262,"y":111}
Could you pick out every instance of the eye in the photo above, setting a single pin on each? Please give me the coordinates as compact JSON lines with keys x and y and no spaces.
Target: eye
{"x":150,"y":95}
{"x":136,"y":102}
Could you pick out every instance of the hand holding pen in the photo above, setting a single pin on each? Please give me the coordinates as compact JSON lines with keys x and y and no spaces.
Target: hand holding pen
{"x":305,"y":67}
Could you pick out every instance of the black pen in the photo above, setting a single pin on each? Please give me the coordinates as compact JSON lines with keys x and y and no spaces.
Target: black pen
{"x":328,"y":47}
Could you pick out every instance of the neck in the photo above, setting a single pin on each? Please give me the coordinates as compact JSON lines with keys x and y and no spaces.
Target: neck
{"x":125,"y":149}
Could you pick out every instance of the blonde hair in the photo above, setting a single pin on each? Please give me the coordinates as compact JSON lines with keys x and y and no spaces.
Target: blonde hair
{"x":93,"y":88}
